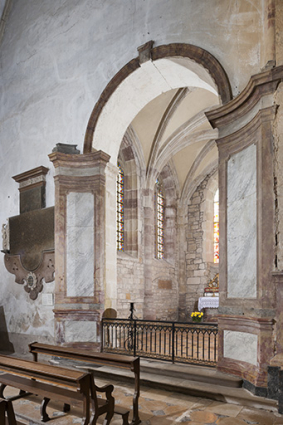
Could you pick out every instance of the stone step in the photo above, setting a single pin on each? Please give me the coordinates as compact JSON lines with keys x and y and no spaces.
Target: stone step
{"x":196,"y":381}
{"x":205,"y":374}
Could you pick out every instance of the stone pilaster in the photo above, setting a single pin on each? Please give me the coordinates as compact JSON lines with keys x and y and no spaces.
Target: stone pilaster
{"x":149,"y":308}
{"x":79,"y":246}
{"x":247,"y":235}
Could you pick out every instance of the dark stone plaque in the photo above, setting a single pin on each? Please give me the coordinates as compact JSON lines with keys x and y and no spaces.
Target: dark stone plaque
{"x":32,"y":199}
{"x":31,"y":233}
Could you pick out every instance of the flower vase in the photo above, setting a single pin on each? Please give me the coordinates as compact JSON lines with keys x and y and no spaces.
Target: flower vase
{"x":197,"y":319}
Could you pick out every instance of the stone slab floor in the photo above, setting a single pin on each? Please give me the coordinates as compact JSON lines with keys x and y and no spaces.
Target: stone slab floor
{"x":157,"y":407}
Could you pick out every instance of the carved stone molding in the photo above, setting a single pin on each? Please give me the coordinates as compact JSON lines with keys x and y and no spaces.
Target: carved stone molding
{"x":32,"y":281}
{"x":32,"y":189}
{"x":5,"y":237}
{"x":260,"y":85}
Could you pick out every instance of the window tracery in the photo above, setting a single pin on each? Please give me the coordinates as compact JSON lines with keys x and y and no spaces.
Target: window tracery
{"x":159,"y":221}
{"x":120,"y":209}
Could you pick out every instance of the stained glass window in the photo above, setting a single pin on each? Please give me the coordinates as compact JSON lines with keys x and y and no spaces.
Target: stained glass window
{"x":216,"y":228}
{"x":120,"y":209}
{"x":159,"y":221}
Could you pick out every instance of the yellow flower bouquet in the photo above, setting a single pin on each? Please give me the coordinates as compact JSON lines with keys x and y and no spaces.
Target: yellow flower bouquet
{"x":196,"y":316}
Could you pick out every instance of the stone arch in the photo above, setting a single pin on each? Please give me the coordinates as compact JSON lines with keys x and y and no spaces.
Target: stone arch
{"x":173,"y":52}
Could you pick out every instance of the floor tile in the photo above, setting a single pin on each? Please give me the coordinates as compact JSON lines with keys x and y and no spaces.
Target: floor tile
{"x":203,"y":417}
{"x":226,"y":409}
{"x":231,"y":421}
{"x":260,"y":417}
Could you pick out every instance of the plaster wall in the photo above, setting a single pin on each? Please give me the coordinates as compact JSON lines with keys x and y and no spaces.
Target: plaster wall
{"x":2,"y":5}
{"x":56,"y":58}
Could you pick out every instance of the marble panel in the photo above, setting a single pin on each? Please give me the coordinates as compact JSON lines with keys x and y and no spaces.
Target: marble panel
{"x":241,"y":346}
{"x":80,"y":244}
{"x":242,"y":225}
{"x":80,"y":331}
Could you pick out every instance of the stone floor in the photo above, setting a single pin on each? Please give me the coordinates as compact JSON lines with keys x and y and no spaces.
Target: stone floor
{"x":157,"y":407}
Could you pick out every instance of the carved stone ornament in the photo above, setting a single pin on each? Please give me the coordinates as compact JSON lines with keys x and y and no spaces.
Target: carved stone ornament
{"x":32,"y":280}
{"x":5,"y":237}
{"x":33,"y":286}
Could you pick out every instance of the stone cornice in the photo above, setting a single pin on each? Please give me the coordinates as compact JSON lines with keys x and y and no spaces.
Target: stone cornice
{"x":88,"y":160}
{"x":31,"y":174}
{"x":245,"y":132}
{"x":244,"y":323}
{"x":277,"y":277}
{"x":259,"y":85}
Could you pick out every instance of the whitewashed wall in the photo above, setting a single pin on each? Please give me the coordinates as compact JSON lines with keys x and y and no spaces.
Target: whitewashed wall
{"x":56,"y":58}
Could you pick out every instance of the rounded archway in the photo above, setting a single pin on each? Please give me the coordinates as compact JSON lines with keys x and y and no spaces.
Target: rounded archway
{"x":136,"y":84}
{"x":152,"y":116}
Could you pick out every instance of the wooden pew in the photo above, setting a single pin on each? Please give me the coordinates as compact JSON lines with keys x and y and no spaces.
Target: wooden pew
{"x":50,"y":382}
{"x":97,"y":358}
{"x":7,"y":414}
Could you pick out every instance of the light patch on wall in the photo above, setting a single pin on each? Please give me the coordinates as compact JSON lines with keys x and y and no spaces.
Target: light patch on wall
{"x":80,"y":244}
{"x":241,"y":346}
{"x":241,"y":224}
{"x":80,"y":331}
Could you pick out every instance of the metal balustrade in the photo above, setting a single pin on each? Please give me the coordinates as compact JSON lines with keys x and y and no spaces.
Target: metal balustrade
{"x":194,"y":343}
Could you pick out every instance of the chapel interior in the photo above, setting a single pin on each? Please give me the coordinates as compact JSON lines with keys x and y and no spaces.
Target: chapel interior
{"x":141,"y":168}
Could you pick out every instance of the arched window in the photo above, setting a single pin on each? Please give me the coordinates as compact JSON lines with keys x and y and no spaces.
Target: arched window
{"x":159,"y":221}
{"x":120,"y":209}
{"x":216,"y":228}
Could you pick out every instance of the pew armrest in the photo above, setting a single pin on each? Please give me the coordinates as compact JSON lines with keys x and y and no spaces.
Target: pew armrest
{"x":107,"y":389}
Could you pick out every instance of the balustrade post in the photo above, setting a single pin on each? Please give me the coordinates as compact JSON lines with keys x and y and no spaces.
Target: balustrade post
{"x":173,"y":342}
{"x":135,"y":337}
{"x":101,"y":335}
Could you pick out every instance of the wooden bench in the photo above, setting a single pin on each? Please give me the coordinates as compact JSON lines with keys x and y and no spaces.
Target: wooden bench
{"x":7,"y":414}
{"x":97,"y":358}
{"x":54,"y":382}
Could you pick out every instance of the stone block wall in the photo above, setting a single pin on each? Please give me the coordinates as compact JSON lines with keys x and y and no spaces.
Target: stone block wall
{"x":165,"y":290}
{"x":130,"y":285}
{"x":200,"y":268}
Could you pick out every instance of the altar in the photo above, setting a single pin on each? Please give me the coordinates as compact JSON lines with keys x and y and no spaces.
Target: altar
{"x":208,"y":302}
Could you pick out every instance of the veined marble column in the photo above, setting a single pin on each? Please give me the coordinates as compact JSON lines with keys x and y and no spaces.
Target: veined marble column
{"x":247,"y":235}
{"x":79,"y":246}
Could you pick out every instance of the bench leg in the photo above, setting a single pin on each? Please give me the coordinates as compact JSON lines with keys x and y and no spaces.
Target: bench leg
{"x":66,"y":408}
{"x":44,"y":415}
{"x":10,"y":414}
{"x":86,"y":411}
{"x":107,"y":419}
{"x":125,"y":418}
{"x":2,"y":388}
{"x":110,"y":413}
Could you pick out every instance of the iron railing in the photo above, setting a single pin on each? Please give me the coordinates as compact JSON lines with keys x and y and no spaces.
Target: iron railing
{"x":194,"y":343}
